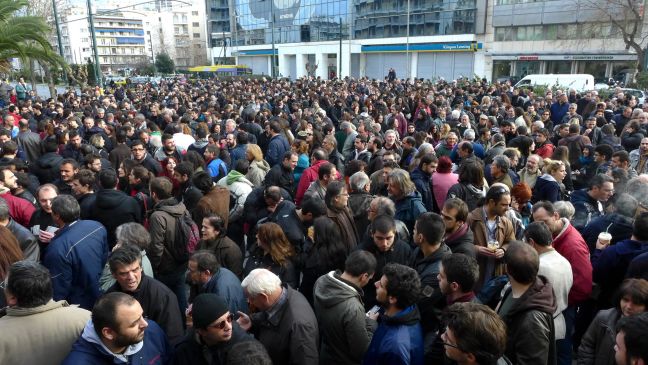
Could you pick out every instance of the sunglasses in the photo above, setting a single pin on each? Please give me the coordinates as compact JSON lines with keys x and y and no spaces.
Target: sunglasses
{"x":221,"y":325}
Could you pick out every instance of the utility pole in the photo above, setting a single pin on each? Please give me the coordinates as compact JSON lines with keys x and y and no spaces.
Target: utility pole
{"x":94,"y":46}
{"x":58,"y":36}
{"x":407,"y":46}
{"x":273,"y":72}
{"x":152,"y":53}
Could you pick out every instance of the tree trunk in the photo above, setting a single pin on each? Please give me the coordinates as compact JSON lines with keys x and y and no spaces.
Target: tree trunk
{"x":50,"y":81}
{"x":641,"y":60}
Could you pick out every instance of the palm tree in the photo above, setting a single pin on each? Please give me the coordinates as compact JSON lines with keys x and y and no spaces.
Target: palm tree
{"x":25,"y":37}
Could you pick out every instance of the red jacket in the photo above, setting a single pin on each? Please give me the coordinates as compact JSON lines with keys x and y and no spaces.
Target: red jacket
{"x":20,"y":209}
{"x":571,"y":245}
{"x":546,"y":150}
{"x":308,"y":176}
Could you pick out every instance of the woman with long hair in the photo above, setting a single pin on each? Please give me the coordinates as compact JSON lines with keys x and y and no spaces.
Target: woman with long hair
{"x":561,"y":153}
{"x":301,"y":147}
{"x":9,"y":253}
{"x":138,"y":181}
{"x":275,"y":253}
{"x":471,"y":185}
{"x":326,"y":253}
{"x":123,"y":173}
{"x":550,"y":186}
{"x":258,"y":166}
{"x":168,"y":168}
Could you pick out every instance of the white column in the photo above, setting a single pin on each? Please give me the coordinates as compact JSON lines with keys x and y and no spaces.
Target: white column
{"x":346,"y":61}
{"x":301,"y":65}
{"x":284,"y":70}
{"x":363,"y":64}
{"x":413,"y":64}
{"x":322,"y":62}
{"x":269,"y":65}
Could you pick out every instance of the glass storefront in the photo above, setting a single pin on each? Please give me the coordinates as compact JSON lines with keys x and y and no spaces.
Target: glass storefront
{"x":501,"y":69}
{"x":594,"y":68}
{"x":319,"y":20}
{"x":523,"y":68}
{"x":558,"y":67}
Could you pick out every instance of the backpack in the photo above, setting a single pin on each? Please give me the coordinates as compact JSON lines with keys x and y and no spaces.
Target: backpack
{"x":186,"y":238}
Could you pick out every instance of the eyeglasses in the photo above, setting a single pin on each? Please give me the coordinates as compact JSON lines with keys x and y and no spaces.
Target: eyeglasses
{"x":221,"y":325}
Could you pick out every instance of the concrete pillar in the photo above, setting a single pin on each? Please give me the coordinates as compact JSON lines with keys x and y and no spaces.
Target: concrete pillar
{"x":284,"y":70}
{"x":322,"y":62}
{"x":363,"y":64}
{"x":413,"y":65}
{"x":346,"y":61}
{"x":301,"y":64}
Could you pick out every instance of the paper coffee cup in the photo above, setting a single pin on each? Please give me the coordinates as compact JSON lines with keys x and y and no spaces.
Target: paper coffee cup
{"x":604,"y":238}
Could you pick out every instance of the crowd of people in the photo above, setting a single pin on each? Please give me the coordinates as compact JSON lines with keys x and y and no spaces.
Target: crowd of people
{"x":324,"y":222}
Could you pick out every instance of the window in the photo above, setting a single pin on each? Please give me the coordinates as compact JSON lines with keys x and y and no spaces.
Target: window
{"x":195,"y":24}
{"x":194,"y":13}
{"x":196,"y":35}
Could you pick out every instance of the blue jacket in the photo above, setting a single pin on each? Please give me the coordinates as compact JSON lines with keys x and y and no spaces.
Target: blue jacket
{"x":620,"y":227}
{"x":153,"y":350}
{"x":408,"y":209}
{"x":225,"y":284}
{"x":546,"y":188}
{"x":75,"y":258}
{"x":217,"y":169}
{"x":610,"y":265}
{"x":586,"y":209}
{"x":237,"y":153}
{"x":558,"y":111}
{"x":478,"y":151}
{"x":276,"y":148}
{"x":398,"y":340}
{"x":422,"y":182}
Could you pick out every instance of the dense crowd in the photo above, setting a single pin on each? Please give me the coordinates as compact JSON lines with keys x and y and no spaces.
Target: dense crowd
{"x":323,"y":222}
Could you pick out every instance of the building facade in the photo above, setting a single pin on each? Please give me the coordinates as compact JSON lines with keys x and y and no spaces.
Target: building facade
{"x":418,"y":38}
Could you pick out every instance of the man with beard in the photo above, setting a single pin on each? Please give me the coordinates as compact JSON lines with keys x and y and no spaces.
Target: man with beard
{"x":530,"y":173}
{"x":143,"y":158}
{"x":168,"y":149}
{"x":119,"y":333}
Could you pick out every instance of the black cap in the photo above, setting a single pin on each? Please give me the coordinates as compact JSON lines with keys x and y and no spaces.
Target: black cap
{"x":207,"y":308}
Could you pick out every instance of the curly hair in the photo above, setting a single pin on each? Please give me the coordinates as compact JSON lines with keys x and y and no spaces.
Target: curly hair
{"x":403,"y":283}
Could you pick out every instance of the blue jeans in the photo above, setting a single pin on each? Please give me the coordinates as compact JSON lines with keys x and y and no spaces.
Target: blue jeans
{"x":564,"y":346}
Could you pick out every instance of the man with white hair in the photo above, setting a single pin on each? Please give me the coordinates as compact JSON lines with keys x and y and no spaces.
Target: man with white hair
{"x":477,"y":149}
{"x":284,"y":322}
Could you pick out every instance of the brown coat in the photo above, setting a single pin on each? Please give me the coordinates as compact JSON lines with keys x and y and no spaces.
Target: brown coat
{"x":216,"y":201}
{"x":227,"y":253}
{"x":344,"y":220}
{"x":505,"y":233}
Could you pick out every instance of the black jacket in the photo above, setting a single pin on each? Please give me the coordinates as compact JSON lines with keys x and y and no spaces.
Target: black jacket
{"x":28,"y":242}
{"x":87,"y":203}
{"x":192,"y":351}
{"x":462,"y":243}
{"x":422,"y":182}
{"x":282,"y":177}
{"x":159,"y":304}
{"x":113,"y":208}
{"x":285,"y":215}
{"x":432,"y":301}
{"x":291,"y":335}
{"x":46,"y":168}
{"x":399,"y":253}
{"x":190,"y":195}
{"x":530,"y":326}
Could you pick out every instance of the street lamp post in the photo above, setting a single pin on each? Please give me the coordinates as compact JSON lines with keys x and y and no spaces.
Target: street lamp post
{"x":407,"y":43}
{"x":339,"y":73}
{"x":58,"y":36}
{"x":273,"y":71}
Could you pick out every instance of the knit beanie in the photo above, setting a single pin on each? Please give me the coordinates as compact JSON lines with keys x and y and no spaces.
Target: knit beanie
{"x":207,"y":308}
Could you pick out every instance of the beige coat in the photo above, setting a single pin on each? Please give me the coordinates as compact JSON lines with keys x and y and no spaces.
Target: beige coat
{"x":42,"y":335}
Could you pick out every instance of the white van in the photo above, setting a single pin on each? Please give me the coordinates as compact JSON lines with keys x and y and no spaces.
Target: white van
{"x":578,"y":82}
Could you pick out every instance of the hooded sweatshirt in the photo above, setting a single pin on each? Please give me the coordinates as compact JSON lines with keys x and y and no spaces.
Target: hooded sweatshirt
{"x":345,"y":332}
{"x":89,"y":349}
{"x":546,"y":188}
{"x":529,"y":323}
{"x":398,"y":340}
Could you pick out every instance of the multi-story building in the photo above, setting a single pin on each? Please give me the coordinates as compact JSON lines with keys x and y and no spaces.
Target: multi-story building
{"x":418,"y":38}
{"x":121,"y":41}
{"x":131,"y":36}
